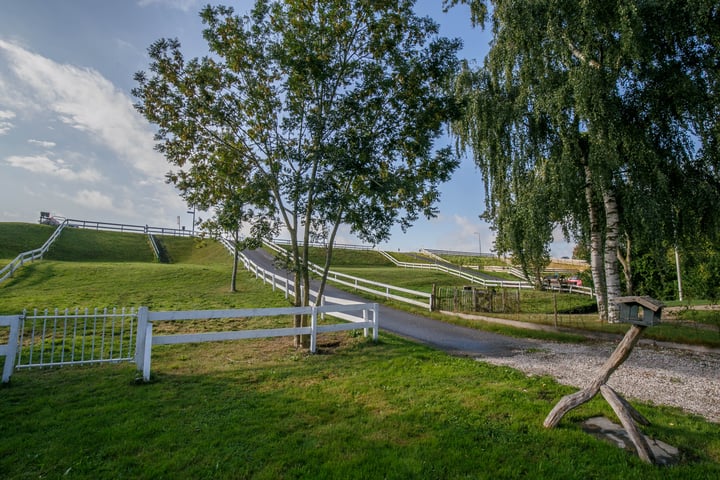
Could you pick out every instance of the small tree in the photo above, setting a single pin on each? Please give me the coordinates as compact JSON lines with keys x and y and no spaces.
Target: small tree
{"x":318,"y":113}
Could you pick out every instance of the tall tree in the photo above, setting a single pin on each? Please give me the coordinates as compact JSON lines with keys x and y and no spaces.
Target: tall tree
{"x":617,"y":99}
{"x":321,"y":113}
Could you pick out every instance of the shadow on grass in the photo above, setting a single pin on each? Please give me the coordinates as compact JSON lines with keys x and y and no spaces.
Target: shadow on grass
{"x":264,"y":410}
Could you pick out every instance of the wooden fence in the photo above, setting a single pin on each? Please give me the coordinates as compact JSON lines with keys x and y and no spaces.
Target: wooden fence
{"x":478,"y":299}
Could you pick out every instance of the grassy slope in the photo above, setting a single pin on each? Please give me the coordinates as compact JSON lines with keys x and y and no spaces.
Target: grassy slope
{"x":16,"y":238}
{"x":78,"y":245}
{"x":261,"y":409}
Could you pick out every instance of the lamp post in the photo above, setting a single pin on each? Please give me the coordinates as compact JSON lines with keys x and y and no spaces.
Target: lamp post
{"x":479,"y":244}
{"x":193,"y":220}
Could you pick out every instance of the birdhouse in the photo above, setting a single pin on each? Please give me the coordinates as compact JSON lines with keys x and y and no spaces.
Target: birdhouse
{"x":643,"y":311}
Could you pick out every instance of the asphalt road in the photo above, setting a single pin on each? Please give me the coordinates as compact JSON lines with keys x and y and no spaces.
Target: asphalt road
{"x":451,"y":338}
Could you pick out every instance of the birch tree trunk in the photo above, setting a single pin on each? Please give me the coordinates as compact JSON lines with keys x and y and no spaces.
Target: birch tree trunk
{"x":596,"y":259}
{"x":612,"y":272}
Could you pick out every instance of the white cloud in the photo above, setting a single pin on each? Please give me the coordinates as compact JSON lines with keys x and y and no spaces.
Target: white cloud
{"x":42,"y":143}
{"x":5,"y":126}
{"x":85,"y":100}
{"x":94,"y":199}
{"x":184,"y":5}
{"x":42,"y":164}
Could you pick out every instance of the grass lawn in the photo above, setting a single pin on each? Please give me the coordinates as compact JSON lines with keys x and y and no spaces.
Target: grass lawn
{"x":261,"y":409}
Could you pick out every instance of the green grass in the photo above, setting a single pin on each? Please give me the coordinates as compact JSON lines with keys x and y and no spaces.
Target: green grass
{"x":462,"y":260}
{"x":346,"y":257}
{"x":16,"y":238}
{"x":78,"y":245}
{"x":260,"y":409}
{"x":202,"y":281}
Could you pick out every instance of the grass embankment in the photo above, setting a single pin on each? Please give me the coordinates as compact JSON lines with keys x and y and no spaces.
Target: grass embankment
{"x":16,"y":238}
{"x":261,"y":409}
{"x":200,"y":281}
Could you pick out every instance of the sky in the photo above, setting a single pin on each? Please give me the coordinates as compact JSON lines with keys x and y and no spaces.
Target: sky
{"x":72,"y":144}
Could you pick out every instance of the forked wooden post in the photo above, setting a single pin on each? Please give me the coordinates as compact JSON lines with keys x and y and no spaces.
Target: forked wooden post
{"x":625,"y":412}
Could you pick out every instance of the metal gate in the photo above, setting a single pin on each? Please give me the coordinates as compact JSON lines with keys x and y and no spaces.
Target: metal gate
{"x":76,"y":337}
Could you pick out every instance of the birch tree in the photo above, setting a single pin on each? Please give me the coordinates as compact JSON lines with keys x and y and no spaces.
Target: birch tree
{"x":618,"y":99}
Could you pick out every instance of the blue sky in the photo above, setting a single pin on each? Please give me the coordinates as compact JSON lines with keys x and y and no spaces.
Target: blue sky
{"x":72,"y":144}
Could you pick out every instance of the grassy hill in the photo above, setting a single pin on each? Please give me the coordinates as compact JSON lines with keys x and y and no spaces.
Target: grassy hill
{"x":78,"y":245}
{"x":16,"y":238}
{"x":96,"y":269}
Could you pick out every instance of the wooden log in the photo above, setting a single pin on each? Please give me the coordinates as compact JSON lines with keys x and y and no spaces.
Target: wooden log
{"x":621,"y":353}
{"x":637,"y":416}
{"x":619,"y":404}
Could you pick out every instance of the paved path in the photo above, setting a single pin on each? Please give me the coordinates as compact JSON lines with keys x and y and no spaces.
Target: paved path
{"x":452,"y":338}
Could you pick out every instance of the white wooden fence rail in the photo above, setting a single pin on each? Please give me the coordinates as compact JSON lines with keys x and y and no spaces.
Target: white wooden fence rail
{"x":32,"y":255}
{"x":459,"y":273}
{"x":63,"y":338}
{"x":422,"y":299}
{"x":146,"y":318}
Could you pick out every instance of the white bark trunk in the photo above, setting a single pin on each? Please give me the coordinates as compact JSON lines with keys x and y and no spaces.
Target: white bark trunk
{"x":612,"y":272}
{"x":596,"y":259}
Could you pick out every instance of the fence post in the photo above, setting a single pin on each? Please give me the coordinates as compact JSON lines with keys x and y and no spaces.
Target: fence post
{"x":147,"y":351}
{"x":142,"y":322}
{"x":10,"y":350}
{"x":376,"y":321}
{"x":313,"y":329}
{"x":365,"y":319}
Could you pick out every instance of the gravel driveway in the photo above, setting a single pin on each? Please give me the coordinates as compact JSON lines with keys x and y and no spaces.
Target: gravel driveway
{"x":657,"y":374}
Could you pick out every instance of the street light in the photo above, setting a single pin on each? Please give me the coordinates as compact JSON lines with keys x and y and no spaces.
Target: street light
{"x":193,"y":221}
{"x":479,"y":244}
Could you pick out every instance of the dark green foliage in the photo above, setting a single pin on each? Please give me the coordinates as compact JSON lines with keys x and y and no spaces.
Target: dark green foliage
{"x":602,"y":118}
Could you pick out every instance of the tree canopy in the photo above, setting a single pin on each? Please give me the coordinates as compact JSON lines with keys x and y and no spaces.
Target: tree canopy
{"x":608,"y":111}
{"x":312,"y":114}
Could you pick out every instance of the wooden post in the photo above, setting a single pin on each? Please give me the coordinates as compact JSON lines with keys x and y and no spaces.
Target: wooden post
{"x":625,"y":412}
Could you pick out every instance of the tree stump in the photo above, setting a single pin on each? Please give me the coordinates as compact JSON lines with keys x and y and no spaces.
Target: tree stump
{"x":625,"y":412}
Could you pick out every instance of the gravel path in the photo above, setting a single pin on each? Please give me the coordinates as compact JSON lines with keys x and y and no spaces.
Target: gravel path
{"x":657,"y":374}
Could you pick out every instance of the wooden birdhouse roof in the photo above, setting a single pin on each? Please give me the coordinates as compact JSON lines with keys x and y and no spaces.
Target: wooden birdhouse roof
{"x":646,"y":302}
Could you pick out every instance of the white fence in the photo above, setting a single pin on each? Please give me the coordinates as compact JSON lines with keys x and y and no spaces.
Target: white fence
{"x":146,"y":339}
{"x":32,"y":255}
{"x":124,"y":227}
{"x":459,"y":273}
{"x":53,"y":339}
{"x":10,"y":348}
{"x":420,"y":299}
